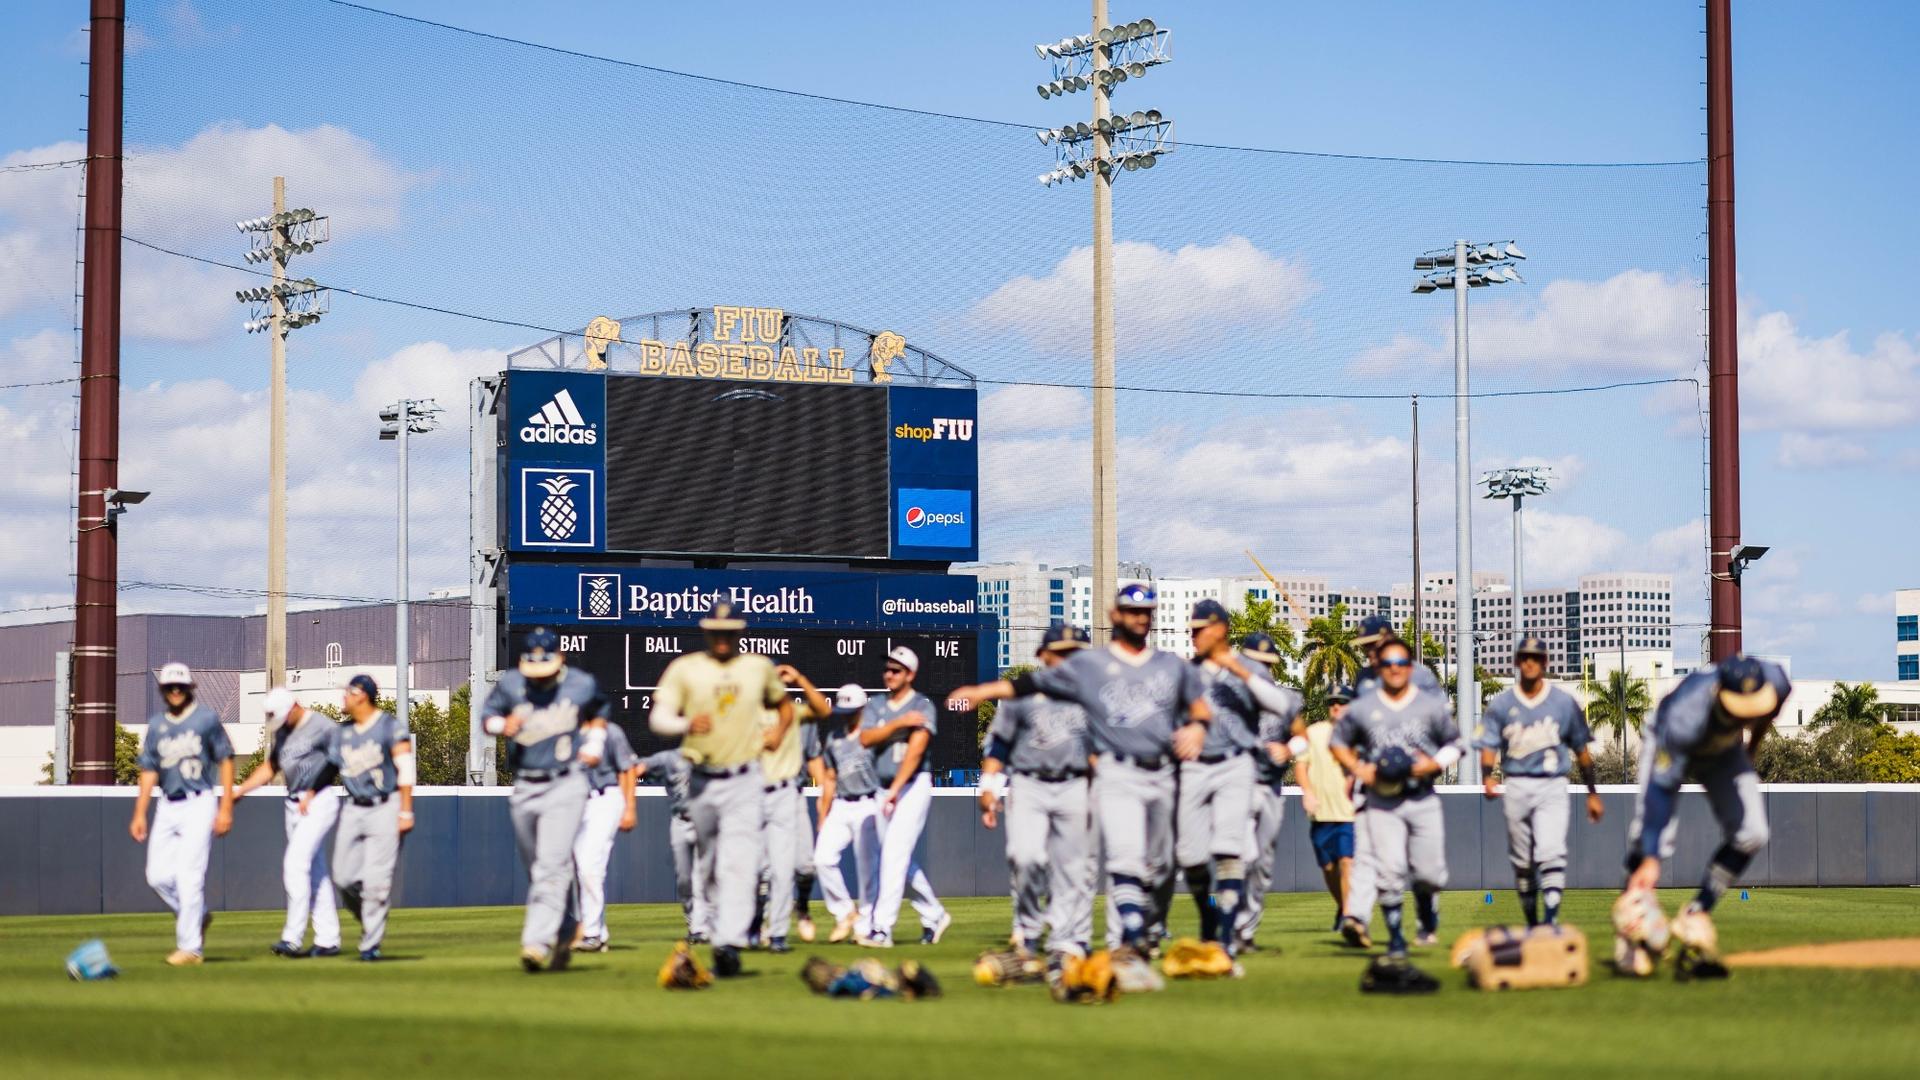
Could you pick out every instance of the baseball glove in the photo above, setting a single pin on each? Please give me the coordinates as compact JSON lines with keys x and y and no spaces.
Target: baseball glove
{"x":1006,"y":968}
{"x":1390,"y":975}
{"x":916,"y":981}
{"x":1134,"y":974}
{"x":1638,"y":918}
{"x":1699,"y":954}
{"x":1391,"y":770}
{"x":1190,"y":959}
{"x":818,"y":974}
{"x":1081,"y":980}
{"x":866,"y":979}
{"x":682,"y":971}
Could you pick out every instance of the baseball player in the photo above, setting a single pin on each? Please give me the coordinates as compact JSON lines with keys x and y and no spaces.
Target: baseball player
{"x":1049,"y":830}
{"x":817,"y":710}
{"x":713,"y":702}
{"x":1145,"y":709}
{"x":849,"y":792}
{"x":1375,"y":632}
{"x":298,"y":751}
{"x":184,"y":747}
{"x":1535,"y":731}
{"x":1394,"y":740}
{"x":1326,"y":794}
{"x":1279,"y":730}
{"x":373,"y":753}
{"x":784,"y":810}
{"x":555,"y":721}
{"x":611,"y":810}
{"x":902,"y":761}
{"x":691,"y":875}
{"x":1707,"y":730}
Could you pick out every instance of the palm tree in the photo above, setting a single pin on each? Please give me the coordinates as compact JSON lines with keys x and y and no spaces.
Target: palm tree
{"x":1262,"y":616}
{"x":1430,"y":648}
{"x":1851,"y":706}
{"x":1620,"y":703}
{"x":1484,"y":681}
{"x":1331,"y":656}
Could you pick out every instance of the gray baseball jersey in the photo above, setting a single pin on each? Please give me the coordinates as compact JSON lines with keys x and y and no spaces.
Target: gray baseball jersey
{"x":852,"y":765}
{"x":365,"y":756}
{"x":1041,"y":735}
{"x":1236,"y":716}
{"x":1134,"y":702}
{"x":185,"y":750}
{"x":300,"y":753}
{"x":1683,"y":728}
{"x":810,"y":745}
{"x":1538,"y":738}
{"x":673,"y":770}
{"x":615,"y":759}
{"x":1420,"y":721}
{"x":1368,"y":679}
{"x":551,"y":716}
{"x":1276,"y":726}
{"x":888,"y":755}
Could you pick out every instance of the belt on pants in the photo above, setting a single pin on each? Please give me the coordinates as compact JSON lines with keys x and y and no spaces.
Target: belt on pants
{"x":1059,"y":777}
{"x":369,"y":800}
{"x":683,"y":815}
{"x":1151,"y":764}
{"x":856,"y":798}
{"x":601,"y":790}
{"x":181,"y":796}
{"x":722,"y":774}
{"x":542,"y":776}
{"x":771,"y":788}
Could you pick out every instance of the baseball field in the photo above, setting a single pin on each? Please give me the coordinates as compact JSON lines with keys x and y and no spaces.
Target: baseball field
{"x":452,"y":1001}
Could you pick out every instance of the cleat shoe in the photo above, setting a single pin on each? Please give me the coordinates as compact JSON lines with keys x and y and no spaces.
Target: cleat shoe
{"x":533,"y":958}
{"x":695,"y":937}
{"x":1355,"y":933}
{"x":726,"y":961}
{"x":370,"y":955}
{"x":1426,"y":937}
{"x":778,"y":945}
{"x":1248,"y":945}
{"x":842,"y":929}
{"x":326,"y":950}
{"x":291,"y":952}
{"x":592,"y":944}
{"x":183,"y":958}
{"x":806,"y":929}
{"x":753,"y":939}
{"x":877,"y":941}
{"x":562,"y":956}
{"x":932,"y":934}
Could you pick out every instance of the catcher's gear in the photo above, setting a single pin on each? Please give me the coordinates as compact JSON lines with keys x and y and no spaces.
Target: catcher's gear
{"x":1006,"y":968}
{"x":1699,"y":953}
{"x":1391,"y":770}
{"x":1190,"y":959}
{"x":1076,"y":979}
{"x":1510,"y":958}
{"x":819,"y":974}
{"x":682,"y":971}
{"x":1394,"y":975}
{"x":1134,"y":974}
{"x":916,"y":981}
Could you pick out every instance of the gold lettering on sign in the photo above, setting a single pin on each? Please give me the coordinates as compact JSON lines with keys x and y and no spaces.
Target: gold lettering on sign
{"x":706,"y":362}
{"x":766,"y":323}
{"x":746,"y":346}
{"x":724,"y":320}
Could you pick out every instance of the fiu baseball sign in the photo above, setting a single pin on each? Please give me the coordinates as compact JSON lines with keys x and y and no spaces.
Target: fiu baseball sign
{"x":746,"y":345}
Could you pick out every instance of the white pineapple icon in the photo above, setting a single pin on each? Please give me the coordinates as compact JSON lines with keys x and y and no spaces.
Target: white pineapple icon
{"x":599,"y":600}
{"x":557,"y":514}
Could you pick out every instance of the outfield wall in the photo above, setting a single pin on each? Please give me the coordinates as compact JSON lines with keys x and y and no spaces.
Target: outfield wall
{"x":66,"y":850}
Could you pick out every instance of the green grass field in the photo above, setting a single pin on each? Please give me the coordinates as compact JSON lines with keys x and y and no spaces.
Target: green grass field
{"x":452,"y":1001}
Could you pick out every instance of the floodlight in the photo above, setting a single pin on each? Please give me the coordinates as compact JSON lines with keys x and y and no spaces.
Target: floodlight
{"x":1146,"y":162}
{"x":1135,"y":69}
{"x":1107,"y":35}
{"x":1514,"y":275}
{"x":1424,"y":285}
{"x":1513,"y":251}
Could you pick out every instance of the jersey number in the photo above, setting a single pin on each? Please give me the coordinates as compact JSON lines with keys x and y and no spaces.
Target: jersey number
{"x":563,"y":748}
{"x":191,"y":768}
{"x":1553,"y":761}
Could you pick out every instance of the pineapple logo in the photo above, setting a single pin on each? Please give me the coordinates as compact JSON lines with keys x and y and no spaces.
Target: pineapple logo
{"x":599,"y":599}
{"x":558,"y":517}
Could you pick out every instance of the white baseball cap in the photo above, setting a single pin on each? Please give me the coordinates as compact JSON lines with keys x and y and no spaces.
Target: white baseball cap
{"x":176,"y":674}
{"x":849,"y":698}
{"x":278,"y":704}
{"x":906,"y":658}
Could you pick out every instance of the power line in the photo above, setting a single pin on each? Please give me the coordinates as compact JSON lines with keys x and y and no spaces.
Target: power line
{"x":43,"y":382}
{"x":42,"y":166}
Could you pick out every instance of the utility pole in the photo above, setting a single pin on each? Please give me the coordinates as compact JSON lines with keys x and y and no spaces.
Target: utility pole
{"x":1723,"y":341}
{"x":277,"y":458}
{"x":415,"y":416}
{"x":96,"y":543}
{"x":1419,"y":587}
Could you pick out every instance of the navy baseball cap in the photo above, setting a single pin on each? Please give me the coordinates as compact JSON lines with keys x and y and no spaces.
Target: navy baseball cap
{"x":1062,"y":636}
{"x":540,"y":654}
{"x":1531,"y":645}
{"x":1260,"y":647}
{"x":1207,"y":612}
{"x":1374,"y":629}
{"x":1745,"y":690}
{"x":1136,"y":596}
{"x":366,"y":685}
{"x":1342,"y":692}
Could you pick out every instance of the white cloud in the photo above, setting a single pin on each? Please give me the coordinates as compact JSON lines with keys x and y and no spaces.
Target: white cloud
{"x":1017,"y":410}
{"x":1162,"y":299}
{"x":1801,"y":451}
{"x":1791,"y":382}
{"x":1874,"y":604}
{"x":1561,"y":547}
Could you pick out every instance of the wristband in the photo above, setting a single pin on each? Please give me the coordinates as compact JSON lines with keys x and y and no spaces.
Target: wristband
{"x":993,"y":783}
{"x":1447,"y":756}
{"x":1297,"y":745}
{"x":406,"y":815}
{"x":494,"y":725}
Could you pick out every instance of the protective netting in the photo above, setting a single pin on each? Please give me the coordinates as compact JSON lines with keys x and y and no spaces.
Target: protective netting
{"x":490,"y":193}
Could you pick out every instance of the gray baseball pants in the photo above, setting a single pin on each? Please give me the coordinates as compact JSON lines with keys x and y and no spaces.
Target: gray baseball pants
{"x":1134,"y":810}
{"x":1733,"y":791}
{"x":1269,"y":807}
{"x":1049,"y":850}
{"x":1215,"y":802}
{"x":366,"y":849}
{"x":546,"y":818}
{"x":783,"y":816}
{"x":1405,"y":841}
{"x":691,"y":875}
{"x":727,"y":817}
{"x":1537,"y":815}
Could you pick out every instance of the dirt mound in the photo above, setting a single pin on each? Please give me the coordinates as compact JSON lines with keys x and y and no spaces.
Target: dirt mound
{"x":1886,"y":953}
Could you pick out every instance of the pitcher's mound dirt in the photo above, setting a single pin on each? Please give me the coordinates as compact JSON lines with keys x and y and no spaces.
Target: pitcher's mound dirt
{"x":1887,"y":953}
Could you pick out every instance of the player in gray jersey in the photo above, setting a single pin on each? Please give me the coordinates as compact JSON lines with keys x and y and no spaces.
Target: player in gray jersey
{"x":297,"y":750}
{"x":1535,"y":731}
{"x":691,"y":873}
{"x":904,"y":768}
{"x":373,"y":752}
{"x":1049,"y":831}
{"x":1375,"y":632}
{"x":850,"y":790}
{"x":184,"y":750}
{"x":610,"y":811}
{"x":1145,"y":709}
{"x":1394,"y":741}
{"x":555,"y":720}
{"x":1281,"y":735}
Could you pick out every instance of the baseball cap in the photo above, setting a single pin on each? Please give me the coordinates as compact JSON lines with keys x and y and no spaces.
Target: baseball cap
{"x":1207,"y":612}
{"x":540,"y":656}
{"x":722,"y":616}
{"x":176,"y":674}
{"x":1745,"y":690}
{"x":1374,"y":629}
{"x":1136,"y":596}
{"x":366,"y":685}
{"x":849,"y":699}
{"x":906,"y":658}
{"x":1531,"y":645}
{"x":1260,"y":647}
{"x":1342,"y":692}
{"x":278,"y":704}
{"x":1062,"y":636}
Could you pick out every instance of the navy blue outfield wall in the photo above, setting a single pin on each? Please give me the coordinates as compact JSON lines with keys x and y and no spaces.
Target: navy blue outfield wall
{"x":67,"y":851}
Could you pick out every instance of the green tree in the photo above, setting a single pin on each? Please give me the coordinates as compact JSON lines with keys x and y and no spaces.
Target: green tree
{"x":1894,"y":759}
{"x":1856,"y":705}
{"x":126,"y":759}
{"x":1332,"y":658}
{"x":1622,"y":702}
{"x":1263,"y":616}
{"x":1431,"y":648}
{"x":439,"y":737}
{"x":1485,"y":682}
{"x":983,"y":712}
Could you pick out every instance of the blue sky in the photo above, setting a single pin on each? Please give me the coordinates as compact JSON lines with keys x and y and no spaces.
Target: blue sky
{"x":464,"y":143}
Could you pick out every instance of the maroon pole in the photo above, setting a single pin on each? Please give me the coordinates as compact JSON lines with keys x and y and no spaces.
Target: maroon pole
{"x":94,"y":610}
{"x":1723,"y":341}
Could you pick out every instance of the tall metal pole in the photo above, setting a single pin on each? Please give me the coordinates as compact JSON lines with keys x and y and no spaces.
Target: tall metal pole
{"x":97,"y":551}
{"x":1106,"y":535}
{"x":400,"y":577}
{"x":1419,"y":593}
{"x":1723,"y":344}
{"x":276,"y":658}
{"x":1468,"y":690}
{"x":1519,"y":584}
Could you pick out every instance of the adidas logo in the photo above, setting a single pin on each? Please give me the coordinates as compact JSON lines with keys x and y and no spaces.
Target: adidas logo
{"x":559,"y":421}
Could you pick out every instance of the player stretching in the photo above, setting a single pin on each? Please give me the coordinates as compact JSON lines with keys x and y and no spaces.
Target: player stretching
{"x":713,"y":702}
{"x":1279,"y":728}
{"x":610,"y":810}
{"x":1049,"y":836}
{"x":184,"y":744}
{"x":1394,"y":741}
{"x":373,"y":753}
{"x":1145,"y":708}
{"x":555,"y":722}
{"x":1326,"y":794}
{"x":902,"y":759}
{"x":298,"y":751}
{"x":1535,"y":731}
{"x":691,"y":876}
{"x":1707,"y":730}
{"x":849,"y":796}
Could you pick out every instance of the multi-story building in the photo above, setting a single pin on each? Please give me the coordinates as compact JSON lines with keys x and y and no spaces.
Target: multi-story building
{"x":1024,"y":597}
{"x":1906,"y":634}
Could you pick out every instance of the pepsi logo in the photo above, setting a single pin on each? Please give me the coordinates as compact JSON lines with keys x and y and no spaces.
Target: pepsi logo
{"x":916,"y":517}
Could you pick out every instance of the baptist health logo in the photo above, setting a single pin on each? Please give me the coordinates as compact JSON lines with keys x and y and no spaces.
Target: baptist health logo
{"x":600,"y":597}
{"x":559,"y":421}
{"x":557,"y":508}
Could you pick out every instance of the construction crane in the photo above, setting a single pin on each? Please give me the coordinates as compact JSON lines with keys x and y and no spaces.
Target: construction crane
{"x":1278,"y":588}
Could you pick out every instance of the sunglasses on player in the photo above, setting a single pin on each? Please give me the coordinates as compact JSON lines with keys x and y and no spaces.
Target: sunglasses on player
{"x":895,"y":669}
{"x":1400,"y":661}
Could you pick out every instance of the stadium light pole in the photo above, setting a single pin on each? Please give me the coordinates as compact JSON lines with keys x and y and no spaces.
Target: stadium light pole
{"x":1461,"y":267}
{"x":289,"y":306}
{"x":1517,"y":484}
{"x":1100,"y":61}
{"x":415,"y":416}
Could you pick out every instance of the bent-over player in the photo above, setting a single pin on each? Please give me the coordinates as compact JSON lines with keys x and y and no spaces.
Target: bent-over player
{"x":611,"y":810}
{"x":1326,"y":794}
{"x":184,"y":748}
{"x":1535,"y":731}
{"x":373,"y":752}
{"x":298,"y":751}
{"x":1281,"y":734}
